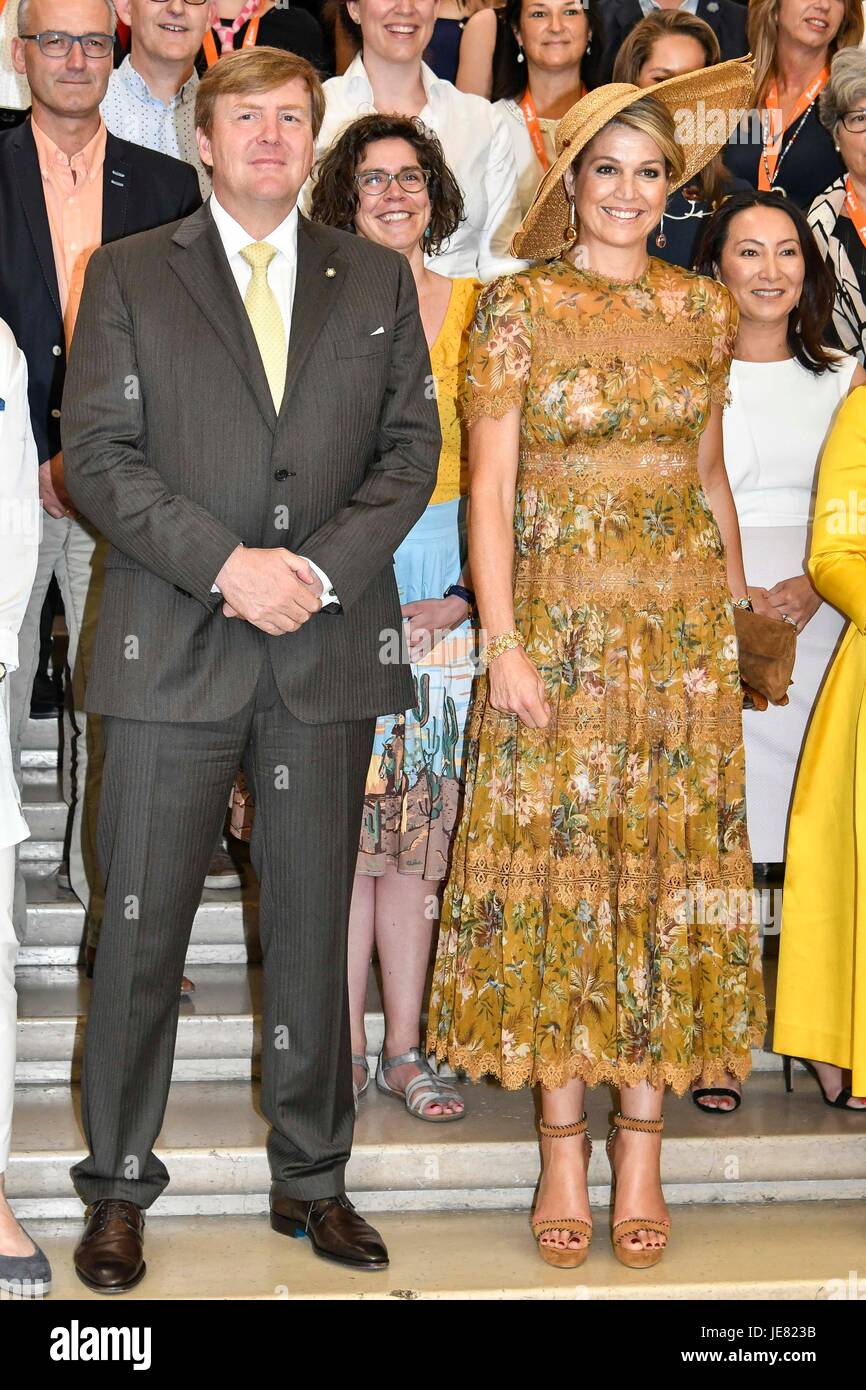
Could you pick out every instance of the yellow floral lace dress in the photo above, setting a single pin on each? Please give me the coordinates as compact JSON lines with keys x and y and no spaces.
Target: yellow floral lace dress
{"x":598,"y":918}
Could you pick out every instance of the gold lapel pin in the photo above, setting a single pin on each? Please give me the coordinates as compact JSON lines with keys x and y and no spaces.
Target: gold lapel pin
{"x":330,"y":272}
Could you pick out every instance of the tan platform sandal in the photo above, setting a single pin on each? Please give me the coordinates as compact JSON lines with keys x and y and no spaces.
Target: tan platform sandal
{"x":564,"y":1259}
{"x":635,"y":1259}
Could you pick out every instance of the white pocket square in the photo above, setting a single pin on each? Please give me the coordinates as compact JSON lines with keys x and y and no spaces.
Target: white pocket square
{"x":380,"y":329}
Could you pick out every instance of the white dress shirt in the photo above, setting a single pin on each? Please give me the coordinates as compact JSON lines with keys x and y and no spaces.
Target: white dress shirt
{"x":281,"y":274}
{"x":477,"y":147}
{"x":132,"y":112}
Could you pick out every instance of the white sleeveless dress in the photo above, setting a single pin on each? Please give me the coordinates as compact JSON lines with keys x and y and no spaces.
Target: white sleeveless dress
{"x":774,"y":431}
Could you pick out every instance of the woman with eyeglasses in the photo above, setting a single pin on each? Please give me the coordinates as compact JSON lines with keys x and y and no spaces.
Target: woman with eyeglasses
{"x":389,"y":75}
{"x":781,"y":145}
{"x":386,"y":178}
{"x":838,"y":215}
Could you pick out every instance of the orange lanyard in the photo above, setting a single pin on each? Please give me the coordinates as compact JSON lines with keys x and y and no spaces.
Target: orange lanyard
{"x":773,"y":144}
{"x":209,"y":43}
{"x":530,"y":115}
{"x":855,"y":209}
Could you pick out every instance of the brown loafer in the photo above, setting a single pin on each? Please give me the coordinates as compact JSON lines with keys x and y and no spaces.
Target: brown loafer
{"x":109,"y":1258}
{"x":335,"y":1229}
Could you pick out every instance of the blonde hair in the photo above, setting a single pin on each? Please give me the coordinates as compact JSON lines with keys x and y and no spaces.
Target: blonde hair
{"x":650,"y":116}
{"x":253,"y":70}
{"x":763,"y":31}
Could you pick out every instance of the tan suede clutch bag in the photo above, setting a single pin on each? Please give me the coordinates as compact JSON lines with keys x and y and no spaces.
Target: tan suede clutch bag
{"x":768,"y":647}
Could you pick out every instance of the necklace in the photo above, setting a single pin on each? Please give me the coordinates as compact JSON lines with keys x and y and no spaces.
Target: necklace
{"x":772,"y":153}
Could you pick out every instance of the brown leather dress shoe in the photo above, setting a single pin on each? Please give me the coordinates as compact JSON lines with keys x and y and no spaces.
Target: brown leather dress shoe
{"x":109,"y":1258}
{"x":335,"y":1229}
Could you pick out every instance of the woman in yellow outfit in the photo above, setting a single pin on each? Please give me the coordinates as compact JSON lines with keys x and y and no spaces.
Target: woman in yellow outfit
{"x":821,"y":997}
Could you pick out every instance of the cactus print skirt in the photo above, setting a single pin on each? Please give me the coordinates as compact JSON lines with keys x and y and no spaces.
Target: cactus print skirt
{"x":415,"y":782}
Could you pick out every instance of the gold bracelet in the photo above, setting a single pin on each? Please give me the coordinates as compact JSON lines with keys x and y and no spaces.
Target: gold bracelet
{"x":504,"y":643}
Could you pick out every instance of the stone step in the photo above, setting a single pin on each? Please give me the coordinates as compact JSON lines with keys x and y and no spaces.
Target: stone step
{"x":799,"y":1250}
{"x":43,"y":734}
{"x":775,"y":1148}
{"x":218,"y":1032}
{"x":225,"y":930}
{"x":46,"y":814}
{"x":39,"y":768}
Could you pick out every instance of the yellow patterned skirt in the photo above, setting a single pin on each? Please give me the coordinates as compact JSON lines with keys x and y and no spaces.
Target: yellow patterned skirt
{"x":599,"y":920}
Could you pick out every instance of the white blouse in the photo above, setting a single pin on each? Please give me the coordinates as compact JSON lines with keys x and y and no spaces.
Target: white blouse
{"x":477,"y":147}
{"x":775,"y":426}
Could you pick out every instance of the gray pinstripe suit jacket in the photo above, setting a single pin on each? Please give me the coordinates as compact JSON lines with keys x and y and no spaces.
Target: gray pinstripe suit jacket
{"x":174,"y":450}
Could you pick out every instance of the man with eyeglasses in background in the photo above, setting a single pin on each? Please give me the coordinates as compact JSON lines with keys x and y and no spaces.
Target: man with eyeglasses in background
{"x":151,"y":96}
{"x":66,"y":187}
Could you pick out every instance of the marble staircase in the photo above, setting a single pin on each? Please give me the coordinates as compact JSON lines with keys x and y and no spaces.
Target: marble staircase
{"x":766,"y":1203}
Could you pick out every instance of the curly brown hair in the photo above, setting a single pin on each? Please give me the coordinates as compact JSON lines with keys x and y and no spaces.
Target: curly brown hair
{"x":335,"y":193}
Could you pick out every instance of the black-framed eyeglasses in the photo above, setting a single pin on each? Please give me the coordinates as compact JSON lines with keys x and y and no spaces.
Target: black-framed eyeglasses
{"x":855,"y":121}
{"x":58,"y":45}
{"x":376,"y":181}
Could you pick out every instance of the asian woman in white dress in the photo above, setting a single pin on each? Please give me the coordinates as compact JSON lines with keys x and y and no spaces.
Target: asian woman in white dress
{"x":786,"y":386}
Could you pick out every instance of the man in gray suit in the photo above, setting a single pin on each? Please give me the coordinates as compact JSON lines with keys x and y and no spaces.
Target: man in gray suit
{"x":247,"y":419}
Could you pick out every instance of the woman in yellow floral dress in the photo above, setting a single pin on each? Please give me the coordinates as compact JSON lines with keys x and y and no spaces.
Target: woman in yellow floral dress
{"x":597,"y":924}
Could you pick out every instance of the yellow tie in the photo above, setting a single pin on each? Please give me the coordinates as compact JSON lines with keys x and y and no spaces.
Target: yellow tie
{"x":267,"y":321}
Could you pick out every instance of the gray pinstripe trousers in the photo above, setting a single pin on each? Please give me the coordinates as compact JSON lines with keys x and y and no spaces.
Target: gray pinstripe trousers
{"x":164,"y":796}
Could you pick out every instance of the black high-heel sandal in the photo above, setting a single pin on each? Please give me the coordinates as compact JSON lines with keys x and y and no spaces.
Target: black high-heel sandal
{"x":723,"y":1092}
{"x":841,"y":1101}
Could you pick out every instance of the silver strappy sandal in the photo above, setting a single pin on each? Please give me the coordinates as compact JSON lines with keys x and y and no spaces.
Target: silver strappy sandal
{"x":358,"y":1091}
{"x":423,"y":1090}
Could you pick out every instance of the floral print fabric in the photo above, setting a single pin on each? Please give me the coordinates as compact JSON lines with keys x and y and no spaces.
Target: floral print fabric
{"x":598,"y":918}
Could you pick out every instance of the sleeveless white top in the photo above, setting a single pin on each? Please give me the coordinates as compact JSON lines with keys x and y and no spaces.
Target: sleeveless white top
{"x":774,"y":430}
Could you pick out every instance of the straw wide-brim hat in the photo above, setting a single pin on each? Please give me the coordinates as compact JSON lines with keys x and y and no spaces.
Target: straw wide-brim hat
{"x":701,"y":104}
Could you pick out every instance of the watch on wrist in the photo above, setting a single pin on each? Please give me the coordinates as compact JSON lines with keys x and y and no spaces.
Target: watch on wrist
{"x":459,"y":592}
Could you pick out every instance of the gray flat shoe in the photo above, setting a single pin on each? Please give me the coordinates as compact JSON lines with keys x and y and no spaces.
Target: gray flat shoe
{"x":27,"y":1276}
{"x":423,"y":1090}
{"x":358,"y":1091}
